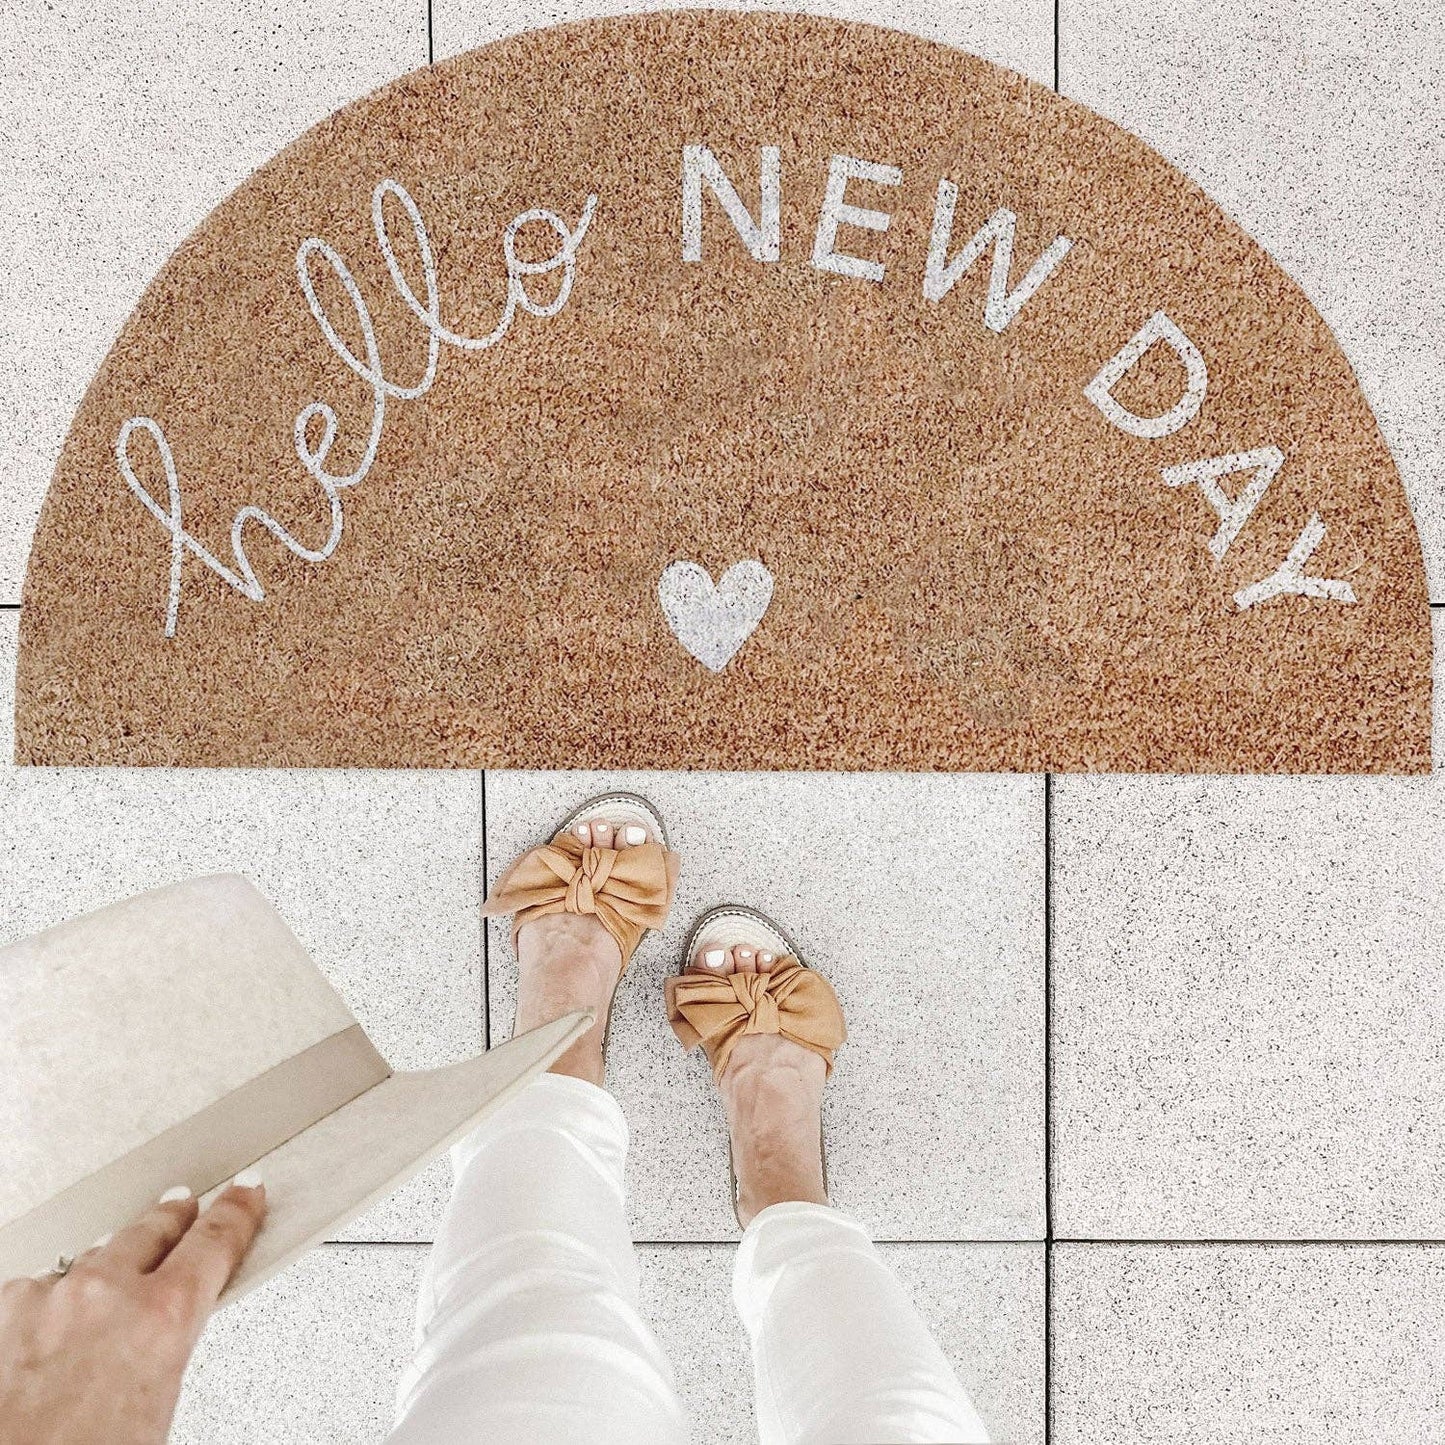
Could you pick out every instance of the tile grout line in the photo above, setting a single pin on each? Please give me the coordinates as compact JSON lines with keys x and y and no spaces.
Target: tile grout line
{"x":1057,"y":45}
{"x":1048,"y":991}
{"x":1304,"y":1243}
{"x":1048,"y":1351}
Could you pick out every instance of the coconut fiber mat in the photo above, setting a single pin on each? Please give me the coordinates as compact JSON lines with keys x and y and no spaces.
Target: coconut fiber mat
{"x":725,"y":391}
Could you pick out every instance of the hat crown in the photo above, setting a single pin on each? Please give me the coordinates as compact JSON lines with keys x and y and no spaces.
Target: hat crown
{"x":122,"y":1023}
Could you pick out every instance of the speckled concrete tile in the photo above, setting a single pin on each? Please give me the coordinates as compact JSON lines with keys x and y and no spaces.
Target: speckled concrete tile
{"x":123,"y":126}
{"x":1318,"y":128}
{"x":376,"y":872}
{"x":1015,"y":33}
{"x":1249,"y":1008}
{"x":984,"y":1304}
{"x":921,"y":896}
{"x":1239,"y":1344}
{"x":315,"y":1354}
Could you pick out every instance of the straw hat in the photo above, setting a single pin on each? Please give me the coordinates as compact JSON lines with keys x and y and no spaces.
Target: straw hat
{"x":184,"y":1035}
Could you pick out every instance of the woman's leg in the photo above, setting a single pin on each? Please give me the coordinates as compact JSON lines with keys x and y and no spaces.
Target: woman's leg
{"x":839,"y":1352}
{"x":527,"y":1325}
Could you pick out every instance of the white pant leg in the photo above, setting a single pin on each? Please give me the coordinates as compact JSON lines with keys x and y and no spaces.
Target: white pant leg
{"x":527,"y":1323}
{"x":839,"y":1352}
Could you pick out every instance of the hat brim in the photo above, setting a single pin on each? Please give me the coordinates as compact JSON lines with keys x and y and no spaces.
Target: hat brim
{"x":323,"y":1177}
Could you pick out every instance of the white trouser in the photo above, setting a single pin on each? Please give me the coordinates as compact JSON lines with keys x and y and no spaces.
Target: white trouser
{"x":528,"y":1327}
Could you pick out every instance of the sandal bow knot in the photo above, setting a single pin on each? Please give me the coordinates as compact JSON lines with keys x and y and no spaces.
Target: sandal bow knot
{"x":585,"y":878}
{"x":627,"y":890}
{"x":791,"y":999}
{"x":764,"y":1016}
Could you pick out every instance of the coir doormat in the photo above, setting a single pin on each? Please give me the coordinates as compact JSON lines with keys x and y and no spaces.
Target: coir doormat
{"x":727,"y":391}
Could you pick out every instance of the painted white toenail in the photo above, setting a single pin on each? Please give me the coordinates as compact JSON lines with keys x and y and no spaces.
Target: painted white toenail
{"x":745,"y":953}
{"x":765,"y":958}
{"x":582,"y":830}
{"x":636,"y":834}
{"x":715,"y":957}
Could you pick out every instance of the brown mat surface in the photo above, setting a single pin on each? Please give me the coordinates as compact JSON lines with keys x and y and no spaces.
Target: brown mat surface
{"x":844,"y":508}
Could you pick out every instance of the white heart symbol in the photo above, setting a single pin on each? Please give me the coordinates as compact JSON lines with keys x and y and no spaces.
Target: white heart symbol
{"x":713,"y":620}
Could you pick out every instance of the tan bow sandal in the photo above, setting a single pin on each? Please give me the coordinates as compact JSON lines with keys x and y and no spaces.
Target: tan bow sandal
{"x":628,"y":890}
{"x":715,"y":1010}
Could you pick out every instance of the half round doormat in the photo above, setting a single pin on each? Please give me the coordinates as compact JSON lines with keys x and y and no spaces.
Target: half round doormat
{"x":709,"y":390}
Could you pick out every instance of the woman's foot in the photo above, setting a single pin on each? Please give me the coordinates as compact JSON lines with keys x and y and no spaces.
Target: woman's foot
{"x":772,"y":1090}
{"x":567,"y":961}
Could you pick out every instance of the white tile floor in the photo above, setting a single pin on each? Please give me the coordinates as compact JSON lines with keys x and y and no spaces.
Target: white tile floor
{"x":341,"y":1319}
{"x":1248,"y":1015}
{"x":1248,"y":1343}
{"x":933,"y":933}
{"x":1249,"y":1007}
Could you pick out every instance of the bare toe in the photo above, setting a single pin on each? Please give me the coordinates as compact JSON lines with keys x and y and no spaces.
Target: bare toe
{"x":766,"y":960}
{"x":584,"y":834}
{"x":709,"y":960}
{"x":745,"y":958}
{"x":601,"y":833}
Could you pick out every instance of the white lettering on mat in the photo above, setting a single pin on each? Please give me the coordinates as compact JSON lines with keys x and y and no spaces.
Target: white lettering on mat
{"x":940,"y":274}
{"x":1100,"y":390}
{"x":1289,"y":578}
{"x":837,"y":212}
{"x":763,"y":237}
{"x":369,"y":368}
{"x":316,"y":426}
{"x":1233,"y":512}
{"x":1003,"y":303}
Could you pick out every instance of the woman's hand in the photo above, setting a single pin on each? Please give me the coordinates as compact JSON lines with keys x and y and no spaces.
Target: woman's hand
{"x":95,"y":1356}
